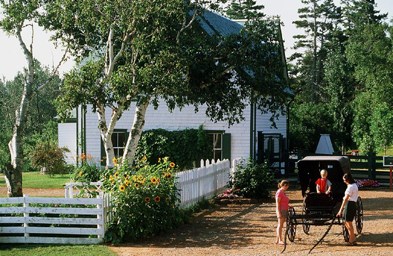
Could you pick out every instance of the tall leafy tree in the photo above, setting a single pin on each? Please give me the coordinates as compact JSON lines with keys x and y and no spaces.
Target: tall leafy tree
{"x":4,"y":126}
{"x":244,"y":9}
{"x":368,"y":50}
{"x":17,"y":16}
{"x":358,"y":13}
{"x":371,"y":52}
{"x":339,"y":92}
{"x":40,"y":110}
{"x":318,"y":19}
{"x":153,"y":52}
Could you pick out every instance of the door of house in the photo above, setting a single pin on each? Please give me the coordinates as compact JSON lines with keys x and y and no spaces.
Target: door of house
{"x":270,"y":149}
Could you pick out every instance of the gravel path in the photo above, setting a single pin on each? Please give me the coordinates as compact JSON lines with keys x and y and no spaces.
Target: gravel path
{"x":244,"y":227}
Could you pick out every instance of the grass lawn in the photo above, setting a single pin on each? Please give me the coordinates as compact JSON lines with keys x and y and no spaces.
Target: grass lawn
{"x":37,"y":180}
{"x":58,"y":250}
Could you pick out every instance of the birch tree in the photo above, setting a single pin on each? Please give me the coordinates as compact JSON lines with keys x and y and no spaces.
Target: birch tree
{"x":149,"y":52}
{"x":18,"y":16}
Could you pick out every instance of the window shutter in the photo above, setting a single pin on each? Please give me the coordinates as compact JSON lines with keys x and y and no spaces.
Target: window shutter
{"x":226,"y":146}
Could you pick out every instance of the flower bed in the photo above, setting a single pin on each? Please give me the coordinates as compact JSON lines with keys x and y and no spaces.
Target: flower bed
{"x":367,"y":183}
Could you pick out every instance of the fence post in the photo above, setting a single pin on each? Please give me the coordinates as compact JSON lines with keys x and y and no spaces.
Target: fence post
{"x":25,"y":217}
{"x":100,"y":216}
{"x":215,"y":177}
{"x":372,"y":165}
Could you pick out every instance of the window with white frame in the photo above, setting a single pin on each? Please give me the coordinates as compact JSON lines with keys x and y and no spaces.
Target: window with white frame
{"x":119,"y":140}
{"x":216,"y":140}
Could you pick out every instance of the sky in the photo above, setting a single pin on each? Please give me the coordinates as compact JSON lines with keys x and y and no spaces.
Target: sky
{"x":12,"y":60}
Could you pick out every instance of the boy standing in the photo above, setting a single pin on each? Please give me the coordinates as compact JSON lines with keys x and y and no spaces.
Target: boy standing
{"x":323,"y":184}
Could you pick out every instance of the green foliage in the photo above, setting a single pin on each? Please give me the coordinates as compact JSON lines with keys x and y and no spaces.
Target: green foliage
{"x":253,"y":180}
{"x":144,"y":200}
{"x":339,"y":94}
{"x":185,"y":147}
{"x":307,"y":122}
{"x":370,"y":50}
{"x":88,"y":171}
{"x":49,"y":158}
{"x":40,"y":126}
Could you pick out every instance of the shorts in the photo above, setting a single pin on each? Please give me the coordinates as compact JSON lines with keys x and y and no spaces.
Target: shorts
{"x":349,"y":211}
{"x":284,"y":214}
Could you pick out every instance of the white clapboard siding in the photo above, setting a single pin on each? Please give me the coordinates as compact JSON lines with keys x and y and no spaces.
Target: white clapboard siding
{"x":23,"y":221}
{"x":202,"y":183}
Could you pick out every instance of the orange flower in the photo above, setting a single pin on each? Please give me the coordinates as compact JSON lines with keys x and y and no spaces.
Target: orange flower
{"x":172,"y":165}
{"x":155,"y":180}
{"x":167,"y":175}
{"x":122,"y":188}
{"x":147,"y":200}
{"x":157,"y":199}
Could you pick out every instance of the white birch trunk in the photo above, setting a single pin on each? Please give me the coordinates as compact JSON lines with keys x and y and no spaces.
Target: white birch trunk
{"x":106,"y":132}
{"x":13,"y":174}
{"x":136,"y":132}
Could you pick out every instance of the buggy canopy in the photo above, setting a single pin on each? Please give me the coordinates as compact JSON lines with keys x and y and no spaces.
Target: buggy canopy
{"x":309,"y":171}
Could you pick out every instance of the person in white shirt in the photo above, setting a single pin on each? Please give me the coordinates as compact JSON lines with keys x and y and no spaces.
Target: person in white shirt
{"x":348,"y":206}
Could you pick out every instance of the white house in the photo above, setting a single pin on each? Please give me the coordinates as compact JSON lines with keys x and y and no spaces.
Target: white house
{"x":254,"y":137}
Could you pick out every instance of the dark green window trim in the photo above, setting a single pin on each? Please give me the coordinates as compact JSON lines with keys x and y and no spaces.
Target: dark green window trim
{"x":226,"y":146}
{"x":116,"y":131}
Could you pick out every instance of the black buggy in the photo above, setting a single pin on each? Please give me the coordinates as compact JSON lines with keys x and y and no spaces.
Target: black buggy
{"x":321,"y":209}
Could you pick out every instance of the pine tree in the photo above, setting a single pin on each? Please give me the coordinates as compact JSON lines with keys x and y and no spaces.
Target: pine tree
{"x":318,"y":19}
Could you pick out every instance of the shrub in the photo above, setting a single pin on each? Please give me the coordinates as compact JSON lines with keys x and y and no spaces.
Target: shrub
{"x":50,"y":158}
{"x":185,"y":147}
{"x":145,"y":200}
{"x":252,"y":180}
{"x":88,"y":171}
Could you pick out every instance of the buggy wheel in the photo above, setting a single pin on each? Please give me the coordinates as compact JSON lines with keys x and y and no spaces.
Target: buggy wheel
{"x":306,"y":227}
{"x":291,"y":225}
{"x":359,"y":216}
{"x":345,"y":233}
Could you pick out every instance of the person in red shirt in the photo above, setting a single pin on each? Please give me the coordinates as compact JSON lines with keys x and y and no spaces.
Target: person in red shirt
{"x":282,"y":206}
{"x":324,"y":185}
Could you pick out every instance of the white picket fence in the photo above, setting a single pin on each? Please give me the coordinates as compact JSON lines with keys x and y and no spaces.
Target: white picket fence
{"x":203,"y":182}
{"x":58,"y":221}
{"x":73,"y":220}
{"x":194,"y":185}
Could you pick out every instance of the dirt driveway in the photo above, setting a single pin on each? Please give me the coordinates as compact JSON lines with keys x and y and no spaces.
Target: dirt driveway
{"x":247,"y":228}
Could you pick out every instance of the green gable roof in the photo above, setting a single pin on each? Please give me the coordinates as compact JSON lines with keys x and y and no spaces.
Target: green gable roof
{"x":215,"y":24}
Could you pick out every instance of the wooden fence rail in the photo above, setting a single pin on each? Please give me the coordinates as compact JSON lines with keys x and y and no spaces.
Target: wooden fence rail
{"x":369,"y":166}
{"x":73,"y":220}
{"x":51,"y":220}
